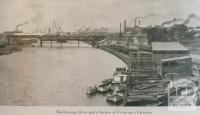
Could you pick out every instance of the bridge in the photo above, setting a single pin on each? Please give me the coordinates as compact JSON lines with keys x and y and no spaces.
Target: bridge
{"x":92,"y":38}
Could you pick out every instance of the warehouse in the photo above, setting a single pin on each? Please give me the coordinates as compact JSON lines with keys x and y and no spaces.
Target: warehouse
{"x":180,"y":65}
{"x":172,"y":57}
{"x":165,"y":50}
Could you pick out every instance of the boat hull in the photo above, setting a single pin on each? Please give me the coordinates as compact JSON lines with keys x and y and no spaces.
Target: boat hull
{"x":91,"y":90}
{"x":115,"y":98}
{"x":104,"y":88}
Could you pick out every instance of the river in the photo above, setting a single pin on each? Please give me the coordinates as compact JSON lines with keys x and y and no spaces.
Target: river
{"x":55,"y":76}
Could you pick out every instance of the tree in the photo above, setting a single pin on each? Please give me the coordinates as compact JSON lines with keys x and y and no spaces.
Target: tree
{"x":179,"y":32}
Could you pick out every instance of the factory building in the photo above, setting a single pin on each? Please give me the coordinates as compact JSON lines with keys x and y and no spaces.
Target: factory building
{"x":180,"y":65}
{"x":172,"y":57}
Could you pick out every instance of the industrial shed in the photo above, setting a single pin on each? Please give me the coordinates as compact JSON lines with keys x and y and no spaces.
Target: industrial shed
{"x":172,"y":57}
{"x":180,"y":65}
{"x":165,"y":50}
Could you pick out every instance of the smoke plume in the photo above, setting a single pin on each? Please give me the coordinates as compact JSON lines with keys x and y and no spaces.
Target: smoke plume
{"x":150,"y":15}
{"x":190,"y":16}
{"x":36,"y":18}
{"x":172,"y":21}
{"x":144,"y":17}
{"x":22,"y":24}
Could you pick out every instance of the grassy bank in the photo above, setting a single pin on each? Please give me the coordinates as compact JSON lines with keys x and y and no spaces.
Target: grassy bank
{"x":10,"y":49}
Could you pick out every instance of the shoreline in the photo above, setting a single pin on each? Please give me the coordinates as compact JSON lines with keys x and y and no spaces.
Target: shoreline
{"x":10,"y":49}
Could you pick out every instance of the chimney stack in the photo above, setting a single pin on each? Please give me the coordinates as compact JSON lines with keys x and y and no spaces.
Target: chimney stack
{"x":124,"y":26}
{"x":135,"y":21}
{"x":139,"y":23}
{"x":49,"y":30}
{"x":120,"y":28}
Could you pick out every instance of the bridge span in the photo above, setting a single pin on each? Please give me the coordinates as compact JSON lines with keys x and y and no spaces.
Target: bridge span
{"x":92,"y":38}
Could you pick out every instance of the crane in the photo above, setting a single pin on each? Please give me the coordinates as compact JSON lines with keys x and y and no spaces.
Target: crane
{"x":57,"y":27}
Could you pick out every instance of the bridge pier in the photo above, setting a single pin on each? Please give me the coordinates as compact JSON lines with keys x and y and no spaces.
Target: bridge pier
{"x":51,"y":42}
{"x":78,"y":42}
{"x":61,"y":43}
{"x":93,"y":43}
{"x":8,"y":42}
{"x":40,"y":43}
{"x":97,"y":44}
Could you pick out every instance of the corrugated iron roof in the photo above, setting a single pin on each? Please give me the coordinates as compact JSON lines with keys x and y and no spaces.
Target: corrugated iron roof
{"x":176,"y":58}
{"x":168,"y":46}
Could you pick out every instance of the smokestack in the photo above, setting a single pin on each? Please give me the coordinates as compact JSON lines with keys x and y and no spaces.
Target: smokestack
{"x":139,"y":23}
{"x":124,"y":26}
{"x":135,"y":21}
{"x":120,"y":28}
{"x":21,"y":24}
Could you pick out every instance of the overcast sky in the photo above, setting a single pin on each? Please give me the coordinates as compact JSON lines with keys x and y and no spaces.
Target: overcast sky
{"x":73,"y":14}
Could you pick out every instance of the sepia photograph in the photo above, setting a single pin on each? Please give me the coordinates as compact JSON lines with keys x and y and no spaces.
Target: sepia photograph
{"x":117,"y":54}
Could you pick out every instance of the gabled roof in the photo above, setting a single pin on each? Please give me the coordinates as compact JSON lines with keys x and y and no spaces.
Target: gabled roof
{"x":168,"y":46}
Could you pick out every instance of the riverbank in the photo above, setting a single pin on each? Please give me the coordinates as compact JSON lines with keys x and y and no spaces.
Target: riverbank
{"x":10,"y":49}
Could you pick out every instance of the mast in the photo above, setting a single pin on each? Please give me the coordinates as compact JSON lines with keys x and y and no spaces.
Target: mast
{"x":130,"y":60}
{"x":130,"y":54}
{"x":139,"y":41}
{"x":128,"y":81}
{"x":120,"y":32}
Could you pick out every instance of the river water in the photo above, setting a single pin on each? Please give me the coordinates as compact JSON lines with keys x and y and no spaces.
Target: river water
{"x":55,"y":76}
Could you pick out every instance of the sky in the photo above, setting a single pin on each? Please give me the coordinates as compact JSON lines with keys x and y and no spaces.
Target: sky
{"x":74,"y":14}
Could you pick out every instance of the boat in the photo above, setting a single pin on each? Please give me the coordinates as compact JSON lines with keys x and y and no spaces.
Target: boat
{"x":116,"y":96}
{"x":120,"y":70}
{"x":149,"y":93}
{"x":91,"y":90}
{"x":119,"y":79}
{"x":107,"y":81}
{"x":145,"y":100}
{"x":103,"y":88}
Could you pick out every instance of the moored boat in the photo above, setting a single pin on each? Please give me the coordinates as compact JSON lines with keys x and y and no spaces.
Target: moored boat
{"x":116,"y":96}
{"x":91,"y":90}
{"x":103,"y":88}
{"x":107,"y":81}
